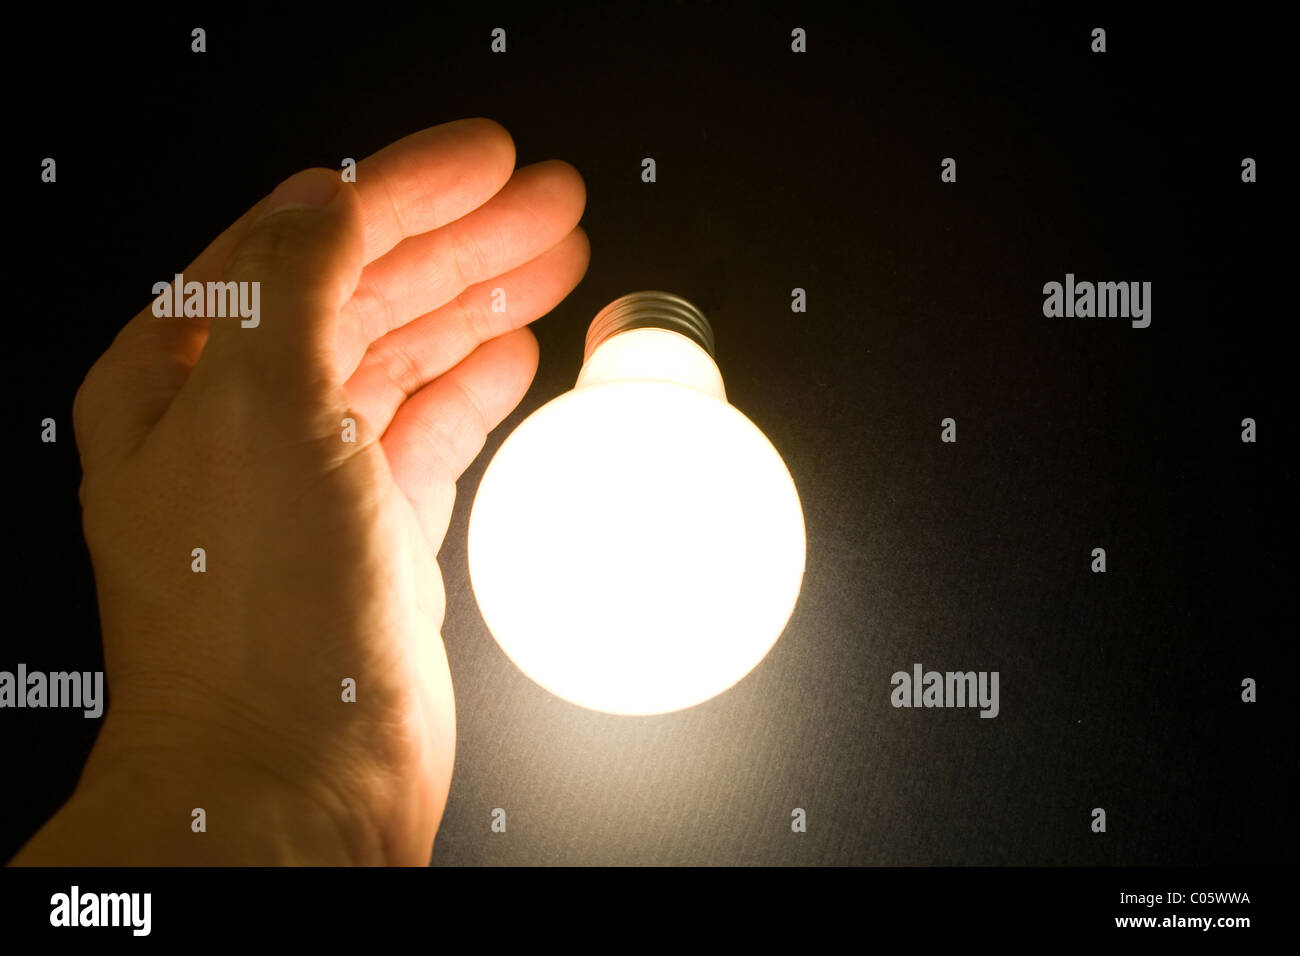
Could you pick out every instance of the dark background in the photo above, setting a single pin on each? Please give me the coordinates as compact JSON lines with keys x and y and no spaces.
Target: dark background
{"x":1118,"y":690}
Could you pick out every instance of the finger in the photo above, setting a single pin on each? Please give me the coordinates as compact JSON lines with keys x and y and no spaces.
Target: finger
{"x":294,"y":268}
{"x":422,"y":181}
{"x":431,"y":178}
{"x":152,"y":335}
{"x":127,"y":390}
{"x":410,"y":357}
{"x":132,"y":384}
{"x":441,"y":428}
{"x":538,"y":207}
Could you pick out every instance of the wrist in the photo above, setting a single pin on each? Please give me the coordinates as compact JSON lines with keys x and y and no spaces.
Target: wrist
{"x":150,"y":798}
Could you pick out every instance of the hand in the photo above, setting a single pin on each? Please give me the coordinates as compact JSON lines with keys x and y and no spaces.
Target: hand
{"x":227,"y":685}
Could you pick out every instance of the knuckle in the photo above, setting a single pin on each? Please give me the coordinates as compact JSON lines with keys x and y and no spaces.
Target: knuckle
{"x":400,"y":368}
{"x":374,"y":312}
{"x":272,"y":244}
{"x":470,"y":258}
{"x":475,"y":315}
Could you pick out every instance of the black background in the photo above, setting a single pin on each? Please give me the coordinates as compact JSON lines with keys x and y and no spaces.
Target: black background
{"x":820,"y":171}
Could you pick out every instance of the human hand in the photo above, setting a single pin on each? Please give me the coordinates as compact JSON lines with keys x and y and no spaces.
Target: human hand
{"x":375,"y":305}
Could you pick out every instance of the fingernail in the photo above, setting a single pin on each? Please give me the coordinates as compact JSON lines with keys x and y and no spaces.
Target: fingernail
{"x":311,"y":188}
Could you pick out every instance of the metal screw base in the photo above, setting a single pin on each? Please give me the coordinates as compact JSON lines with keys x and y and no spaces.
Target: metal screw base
{"x":649,"y":310}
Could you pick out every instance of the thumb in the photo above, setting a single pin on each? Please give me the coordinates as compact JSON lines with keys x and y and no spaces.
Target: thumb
{"x":295,"y":268}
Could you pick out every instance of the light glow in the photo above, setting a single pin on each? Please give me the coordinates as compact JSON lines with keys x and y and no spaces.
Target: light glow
{"x":637,"y":544}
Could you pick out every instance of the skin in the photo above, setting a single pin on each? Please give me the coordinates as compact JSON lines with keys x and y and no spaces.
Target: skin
{"x":321,"y":554}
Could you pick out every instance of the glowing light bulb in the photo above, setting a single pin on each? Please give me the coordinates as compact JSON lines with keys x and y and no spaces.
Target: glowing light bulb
{"x":637,"y":545}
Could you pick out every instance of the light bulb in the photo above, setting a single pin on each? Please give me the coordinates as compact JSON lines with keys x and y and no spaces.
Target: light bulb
{"x":636,"y":545}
